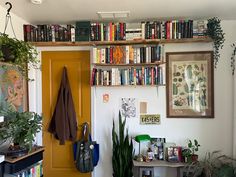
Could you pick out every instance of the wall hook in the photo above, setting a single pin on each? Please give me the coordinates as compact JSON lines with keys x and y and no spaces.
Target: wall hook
{"x":9,"y":9}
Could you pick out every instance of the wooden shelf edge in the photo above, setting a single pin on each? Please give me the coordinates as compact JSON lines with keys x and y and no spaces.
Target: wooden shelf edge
{"x":14,"y":160}
{"x":134,"y":64}
{"x":160,"y":85}
{"x":129,"y":42}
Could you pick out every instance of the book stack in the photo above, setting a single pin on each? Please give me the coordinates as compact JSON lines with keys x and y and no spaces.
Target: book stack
{"x":33,"y":171}
{"x":175,"y":29}
{"x":48,"y":33}
{"x":128,"y":76}
{"x":107,"y":31}
{"x":128,"y":54}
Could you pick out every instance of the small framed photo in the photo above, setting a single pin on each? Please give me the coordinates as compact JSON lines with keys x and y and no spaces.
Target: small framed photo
{"x":190,"y":84}
{"x":13,"y":88}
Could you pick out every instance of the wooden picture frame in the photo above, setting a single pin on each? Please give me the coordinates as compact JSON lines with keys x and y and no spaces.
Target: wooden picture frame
{"x":13,"y":88}
{"x":190,"y":84}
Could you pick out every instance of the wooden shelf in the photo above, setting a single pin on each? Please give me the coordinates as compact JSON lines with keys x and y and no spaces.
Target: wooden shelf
{"x":158,"y":163}
{"x":128,"y":85}
{"x":130,"y":42}
{"x":14,"y":160}
{"x":135,"y":64}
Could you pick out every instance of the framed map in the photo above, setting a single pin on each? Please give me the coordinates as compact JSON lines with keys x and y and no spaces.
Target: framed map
{"x":13,"y":88}
{"x":190,"y":84}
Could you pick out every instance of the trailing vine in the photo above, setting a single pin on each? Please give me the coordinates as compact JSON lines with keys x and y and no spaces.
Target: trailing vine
{"x":215,"y":32}
{"x":233,"y":58}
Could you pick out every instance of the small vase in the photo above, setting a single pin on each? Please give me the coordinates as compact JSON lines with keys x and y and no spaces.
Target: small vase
{"x":194,"y":158}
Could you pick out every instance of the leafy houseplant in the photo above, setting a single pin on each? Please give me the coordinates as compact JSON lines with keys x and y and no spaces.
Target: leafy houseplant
{"x":18,"y":52}
{"x":20,"y":128}
{"x":189,"y":153}
{"x":213,"y":165}
{"x":215,"y":32}
{"x":122,"y":156}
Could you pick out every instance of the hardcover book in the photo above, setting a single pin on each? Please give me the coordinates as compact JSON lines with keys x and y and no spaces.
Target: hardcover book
{"x":82,"y":32}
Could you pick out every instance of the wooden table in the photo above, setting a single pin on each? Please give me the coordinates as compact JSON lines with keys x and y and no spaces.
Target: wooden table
{"x":140,"y":166}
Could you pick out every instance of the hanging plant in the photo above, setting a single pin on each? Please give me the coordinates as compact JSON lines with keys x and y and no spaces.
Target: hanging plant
{"x":215,"y":32}
{"x":233,"y":58}
{"x":19,"y":53}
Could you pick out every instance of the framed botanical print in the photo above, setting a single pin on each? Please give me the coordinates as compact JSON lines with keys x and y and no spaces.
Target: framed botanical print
{"x":13,"y":88}
{"x":190,"y":84}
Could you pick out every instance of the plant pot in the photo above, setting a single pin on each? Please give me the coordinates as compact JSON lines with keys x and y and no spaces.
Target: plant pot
{"x":16,"y":151}
{"x":8,"y":54}
{"x":194,"y":158}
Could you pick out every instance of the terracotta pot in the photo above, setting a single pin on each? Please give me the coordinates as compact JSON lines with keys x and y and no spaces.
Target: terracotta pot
{"x":194,"y":158}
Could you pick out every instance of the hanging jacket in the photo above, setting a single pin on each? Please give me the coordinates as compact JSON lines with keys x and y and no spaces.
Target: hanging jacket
{"x":63,"y":124}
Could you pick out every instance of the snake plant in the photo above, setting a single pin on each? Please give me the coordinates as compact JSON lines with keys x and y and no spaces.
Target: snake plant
{"x":122,"y":157}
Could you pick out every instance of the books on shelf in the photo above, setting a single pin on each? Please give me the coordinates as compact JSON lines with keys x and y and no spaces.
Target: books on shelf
{"x":115,"y":31}
{"x":34,"y":171}
{"x":128,"y":54}
{"x":142,"y":75}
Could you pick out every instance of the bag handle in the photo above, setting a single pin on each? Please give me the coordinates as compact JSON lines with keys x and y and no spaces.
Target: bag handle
{"x":85,"y":132}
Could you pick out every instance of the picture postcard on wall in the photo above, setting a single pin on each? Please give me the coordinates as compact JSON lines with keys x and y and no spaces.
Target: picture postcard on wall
{"x":13,"y":88}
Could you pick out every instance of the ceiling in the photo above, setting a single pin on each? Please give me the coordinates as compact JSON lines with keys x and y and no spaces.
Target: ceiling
{"x":70,"y":11}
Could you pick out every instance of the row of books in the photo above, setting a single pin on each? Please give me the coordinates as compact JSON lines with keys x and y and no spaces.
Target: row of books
{"x":128,"y":76}
{"x":98,"y":31}
{"x":175,"y":29}
{"x":107,"y":32}
{"x":128,"y":54}
{"x":46,"y":33}
{"x":34,"y":171}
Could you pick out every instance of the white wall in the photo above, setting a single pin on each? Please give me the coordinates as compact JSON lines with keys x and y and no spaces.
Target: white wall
{"x":213,"y":134}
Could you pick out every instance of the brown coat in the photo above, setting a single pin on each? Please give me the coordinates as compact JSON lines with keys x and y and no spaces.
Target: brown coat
{"x":63,"y":124}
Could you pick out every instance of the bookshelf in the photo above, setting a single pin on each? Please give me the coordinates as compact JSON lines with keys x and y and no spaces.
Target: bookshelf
{"x":30,"y":164}
{"x":128,"y":42}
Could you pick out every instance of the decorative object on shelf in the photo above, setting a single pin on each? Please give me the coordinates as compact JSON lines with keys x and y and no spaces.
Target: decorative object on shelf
{"x":190,"y":84}
{"x":189,"y":153}
{"x":140,"y":139}
{"x":14,"y":88}
{"x":19,"y":53}
{"x":19,"y":128}
{"x":214,"y":164}
{"x":215,"y":32}
{"x":233,"y":58}
{"x":122,"y":152}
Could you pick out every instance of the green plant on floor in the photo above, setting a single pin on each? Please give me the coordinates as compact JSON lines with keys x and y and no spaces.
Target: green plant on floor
{"x":122,"y":152}
{"x":213,"y":165}
{"x":18,"y":52}
{"x":19,"y":128}
{"x":215,"y":32}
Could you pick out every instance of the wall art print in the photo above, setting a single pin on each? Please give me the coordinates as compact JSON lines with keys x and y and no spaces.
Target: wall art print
{"x":128,"y":107}
{"x":190,"y":84}
{"x":13,"y":88}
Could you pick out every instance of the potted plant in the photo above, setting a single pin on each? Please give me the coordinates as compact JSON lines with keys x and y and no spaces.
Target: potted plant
{"x":19,"y":129}
{"x":189,"y":153}
{"x":122,"y":152}
{"x":18,"y":52}
{"x":212,"y":165}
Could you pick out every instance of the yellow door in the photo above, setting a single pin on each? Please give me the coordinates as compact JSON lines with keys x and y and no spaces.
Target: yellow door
{"x":58,"y":159}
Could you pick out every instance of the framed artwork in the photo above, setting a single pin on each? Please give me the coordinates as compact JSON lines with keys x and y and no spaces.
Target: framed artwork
{"x":13,"y":88}
{"x":190,"y":84}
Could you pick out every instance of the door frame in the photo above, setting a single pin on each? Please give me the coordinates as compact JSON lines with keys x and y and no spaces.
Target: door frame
{"x":35,"y":100}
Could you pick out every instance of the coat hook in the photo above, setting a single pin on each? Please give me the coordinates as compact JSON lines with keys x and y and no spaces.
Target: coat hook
{"x":9,"y":9}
